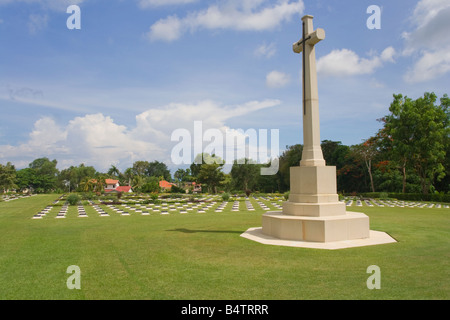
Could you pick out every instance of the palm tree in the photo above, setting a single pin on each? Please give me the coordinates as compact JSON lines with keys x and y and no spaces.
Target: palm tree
{"x":87,"y":184}
{"x":99,"y":184}
{"x":114,"y":171}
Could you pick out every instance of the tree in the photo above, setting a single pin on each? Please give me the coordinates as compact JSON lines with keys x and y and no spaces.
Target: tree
{"x":7,"y":177}
{"x":87,"y":184}
{"x":417,"y":131}
{"x":338,"y":155}
{"x":158,"y":169}
{"x":289,"y":158}
{"x":99,"y":182}
{"x":25,"y":178}
{"x":137,"y":182}
{"x":183,"y":175}
{"x":268,"y":183}
{"x":71,"y":177}
{"x":210,"y":172}
{"x":93,"y":184}
{"x":140,"y":168}
{"x":128,"y":175}
{"x":114,"y":171}
{"x":366,"y":152}
{"x":45,"y":174}
{"x":151,"y":185}
{"x":244,"y":175}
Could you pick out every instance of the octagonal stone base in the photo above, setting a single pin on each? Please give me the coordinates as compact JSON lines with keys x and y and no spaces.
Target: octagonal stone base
{"x":350,"y":226}
{"x":375,"y":238}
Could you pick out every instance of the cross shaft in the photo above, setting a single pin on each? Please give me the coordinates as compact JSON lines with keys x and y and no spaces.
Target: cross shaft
{"x":312,"y":152}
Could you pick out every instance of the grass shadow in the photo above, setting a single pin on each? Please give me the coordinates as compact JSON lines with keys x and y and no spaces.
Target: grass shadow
{"x":184,"y":230}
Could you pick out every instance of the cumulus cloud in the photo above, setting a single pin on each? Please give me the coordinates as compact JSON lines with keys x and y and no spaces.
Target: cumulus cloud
{"x":97,"y":140}
{"x":345,"y":62}
{"x":277,"y":79}
{"x":248,"y":15}
{"x":429,"y":42}
{"x":167,"y":29}
{"x":431,"y":65}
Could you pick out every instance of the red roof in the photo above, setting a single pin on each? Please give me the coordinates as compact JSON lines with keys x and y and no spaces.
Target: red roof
{"x":111,"y":181}
{"x":120,"y":189}
{"x":124,"y":188}
{"x":165,"y":184}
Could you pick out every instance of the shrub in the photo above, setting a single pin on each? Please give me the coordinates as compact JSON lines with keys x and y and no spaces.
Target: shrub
{"x":286,"y":195}
{"x":73,"y":199}
{"x":88,"y":195}
{"x":225,"y":196}
{"x":176,"y":189}
{"x":154,"y":196}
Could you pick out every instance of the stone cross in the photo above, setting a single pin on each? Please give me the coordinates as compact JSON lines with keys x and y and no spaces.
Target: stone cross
{"x":312,"y":152}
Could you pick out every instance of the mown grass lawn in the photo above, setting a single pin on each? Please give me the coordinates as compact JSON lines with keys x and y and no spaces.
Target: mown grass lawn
{"x":202,"y":256}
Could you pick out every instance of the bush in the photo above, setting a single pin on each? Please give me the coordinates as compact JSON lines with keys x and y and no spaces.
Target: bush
{"x":88,"y":196}
{"x":225,"y":196}
{"x":151,"y":186}
{"x":73,"y":199}
{"x":154,"y":196}
{"x":286,"y":195}
{"x":176,"y":189}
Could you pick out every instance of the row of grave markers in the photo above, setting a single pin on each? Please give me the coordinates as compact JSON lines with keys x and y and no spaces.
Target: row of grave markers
{"x":392,"y":204}
{"x":209,"y":204}
{"x":7,"y":198}
{"x":163,"y":208}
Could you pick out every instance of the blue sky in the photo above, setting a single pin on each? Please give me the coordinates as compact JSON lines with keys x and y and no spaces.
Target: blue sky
{"x":113,"y":91}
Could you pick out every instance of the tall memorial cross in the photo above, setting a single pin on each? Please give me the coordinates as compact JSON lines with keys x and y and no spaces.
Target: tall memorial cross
{"x":313,"y":216}
{"x":312,"y":152}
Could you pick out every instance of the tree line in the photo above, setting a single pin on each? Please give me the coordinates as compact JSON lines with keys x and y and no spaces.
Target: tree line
{"x":409,"y":154}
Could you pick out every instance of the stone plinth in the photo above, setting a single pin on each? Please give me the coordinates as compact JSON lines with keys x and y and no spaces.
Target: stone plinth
{"x":350,"y":226}
{"x":314,"y":212}
{"x":313,"y":193}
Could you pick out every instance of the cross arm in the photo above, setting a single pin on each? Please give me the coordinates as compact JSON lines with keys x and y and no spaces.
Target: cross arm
{"x":311,"y":39}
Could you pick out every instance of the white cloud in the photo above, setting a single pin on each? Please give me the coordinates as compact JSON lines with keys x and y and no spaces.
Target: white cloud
{"x":276,"y":79}
{"x":266,"y":50}
{"x":37,"y":22}
{"x":97,"y":140}
{"x":45,"y":138}
{"x":429,"y":43}
{"x":57,"y":5}
{"x":248,"y":15}
{"x":430,"y":66}
{"x":345,"y":62}
{"x":167,"y":29}
{"x":158,"y":3}
{"x":388,"y":54}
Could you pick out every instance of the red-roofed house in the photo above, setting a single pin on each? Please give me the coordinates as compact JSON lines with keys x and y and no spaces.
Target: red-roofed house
{"x":111,"y":183}
{"x":113,"y":186}
{"x":165,"y":186}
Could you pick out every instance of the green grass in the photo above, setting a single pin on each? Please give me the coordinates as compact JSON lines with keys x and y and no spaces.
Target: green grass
{"x":202,"y":256}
